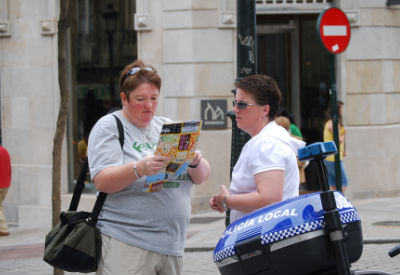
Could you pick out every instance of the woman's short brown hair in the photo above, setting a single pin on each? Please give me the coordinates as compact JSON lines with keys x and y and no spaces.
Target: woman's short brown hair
{"x":135,"y":74}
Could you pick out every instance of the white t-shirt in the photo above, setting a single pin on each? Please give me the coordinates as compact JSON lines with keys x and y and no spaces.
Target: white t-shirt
{"x":271,"y":149}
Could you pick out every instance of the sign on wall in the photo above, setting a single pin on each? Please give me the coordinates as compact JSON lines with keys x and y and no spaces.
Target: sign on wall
{"x":213,"y":113}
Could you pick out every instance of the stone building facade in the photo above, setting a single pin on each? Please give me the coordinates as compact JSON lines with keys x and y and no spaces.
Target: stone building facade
{"x":193,"y":45}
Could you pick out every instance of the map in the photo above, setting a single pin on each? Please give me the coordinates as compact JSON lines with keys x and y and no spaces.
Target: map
{"x":178,"y":141}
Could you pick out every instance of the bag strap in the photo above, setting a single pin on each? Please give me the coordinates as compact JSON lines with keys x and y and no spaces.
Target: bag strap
{"x":120,"y":131}
{"x":102,"y":196}
{"x":80,"y":184}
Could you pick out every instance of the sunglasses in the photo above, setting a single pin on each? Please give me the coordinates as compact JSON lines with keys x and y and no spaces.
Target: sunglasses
{"x":241,"y":105}
{"x":134,"y":70}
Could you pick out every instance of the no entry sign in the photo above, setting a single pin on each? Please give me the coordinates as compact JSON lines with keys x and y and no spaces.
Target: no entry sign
{"x":334,"y":30}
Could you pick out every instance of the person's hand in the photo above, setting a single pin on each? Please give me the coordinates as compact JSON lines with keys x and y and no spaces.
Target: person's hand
{"x":217,"y":201}
{"x":196,"y":160}
{"x":151,"y":164}
{"x":215,"y":206}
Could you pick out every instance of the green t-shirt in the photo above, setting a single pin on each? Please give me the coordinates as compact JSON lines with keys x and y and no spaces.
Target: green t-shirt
{"x":295,"y":131}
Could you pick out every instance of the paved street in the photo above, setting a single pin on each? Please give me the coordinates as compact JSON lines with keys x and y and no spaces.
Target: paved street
{"x":374,"y":257}
{"x":21,"y":252}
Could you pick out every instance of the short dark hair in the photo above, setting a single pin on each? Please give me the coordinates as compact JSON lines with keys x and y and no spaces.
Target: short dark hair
{"x":265,"y":91}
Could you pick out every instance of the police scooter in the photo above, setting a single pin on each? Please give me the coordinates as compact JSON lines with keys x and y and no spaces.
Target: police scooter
{"x":318,"y":233}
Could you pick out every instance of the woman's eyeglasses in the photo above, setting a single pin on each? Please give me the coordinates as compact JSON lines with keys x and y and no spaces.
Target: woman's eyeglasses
{"x":241,"y":105}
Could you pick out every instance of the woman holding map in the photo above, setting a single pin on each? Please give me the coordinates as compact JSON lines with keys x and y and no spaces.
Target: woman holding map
{"x":266,"y":171}
{"x":143,"y":232}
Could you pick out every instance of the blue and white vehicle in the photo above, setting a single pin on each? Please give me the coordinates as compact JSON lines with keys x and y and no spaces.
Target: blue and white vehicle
{"x":287,"y":238}
{"x":318,"y":233}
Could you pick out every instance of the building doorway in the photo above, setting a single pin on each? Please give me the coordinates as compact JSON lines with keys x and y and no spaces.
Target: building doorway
{"x":274,"y":58}
{"x":314,"y":75}
{"x":289,"y":50}
{"x":103,"y":42}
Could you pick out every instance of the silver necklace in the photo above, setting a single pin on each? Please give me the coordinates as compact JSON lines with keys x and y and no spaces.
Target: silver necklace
{"x":146,"y":132}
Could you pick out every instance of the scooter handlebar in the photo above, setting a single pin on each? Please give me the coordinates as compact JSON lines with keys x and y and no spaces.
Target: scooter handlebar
{"x":317,"y":149}
{"x":394,"y":251}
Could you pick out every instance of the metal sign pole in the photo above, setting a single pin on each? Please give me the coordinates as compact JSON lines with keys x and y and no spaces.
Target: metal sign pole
{"x":246,"y":38}
{"x":335,"y":122}
{"x":334,"y":30}
{"x":246,"y":60}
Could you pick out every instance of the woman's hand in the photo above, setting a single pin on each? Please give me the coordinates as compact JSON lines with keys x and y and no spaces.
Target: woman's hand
{"x":217,"y":201}
{"x":196,"y":160}
{"x":151,"y":164}
{"x":199,"y":168}
{"x":269,"y":190}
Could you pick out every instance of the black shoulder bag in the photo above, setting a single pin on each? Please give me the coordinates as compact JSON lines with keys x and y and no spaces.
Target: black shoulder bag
{"x":74,"y":244}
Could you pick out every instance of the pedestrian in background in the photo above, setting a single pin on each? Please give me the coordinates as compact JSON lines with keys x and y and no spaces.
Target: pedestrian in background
{"x":5,"y":182}
{"x":266,"y":171}
{"x":293,"y":129}
{"x":330,"y":160}
{"x":82,"y":148}
{"x":142,"y":232}
{"x":284,"y":121}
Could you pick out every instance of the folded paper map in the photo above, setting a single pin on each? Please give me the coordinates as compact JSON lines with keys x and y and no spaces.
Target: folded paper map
{"x":178,"y":141}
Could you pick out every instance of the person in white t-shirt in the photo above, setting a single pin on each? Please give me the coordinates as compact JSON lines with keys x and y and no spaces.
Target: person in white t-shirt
{"x":266,"y":171}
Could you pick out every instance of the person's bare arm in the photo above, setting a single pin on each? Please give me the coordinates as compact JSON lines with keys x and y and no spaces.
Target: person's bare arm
{"x":114,"y":179}
{"x":269,"y":190}
{"x":202,"y":170}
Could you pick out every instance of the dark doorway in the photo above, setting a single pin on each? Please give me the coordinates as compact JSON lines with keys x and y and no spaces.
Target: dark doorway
{"x":103,"y":42}
{"x":289,"y":49}
{"x":274,"y":60}
{"x":314,"y":79}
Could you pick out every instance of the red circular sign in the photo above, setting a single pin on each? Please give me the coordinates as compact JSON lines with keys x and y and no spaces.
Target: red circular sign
{"x":334,"y":30}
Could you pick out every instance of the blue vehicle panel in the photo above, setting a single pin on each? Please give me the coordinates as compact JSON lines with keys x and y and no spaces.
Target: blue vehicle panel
{"x":282,"y":220}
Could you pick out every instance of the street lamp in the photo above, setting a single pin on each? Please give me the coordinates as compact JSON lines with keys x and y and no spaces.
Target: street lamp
{"x":110,"y":17}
